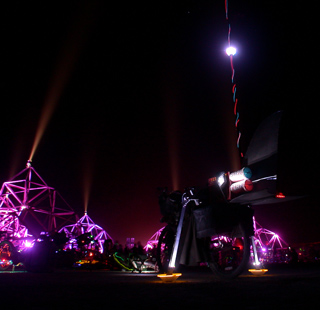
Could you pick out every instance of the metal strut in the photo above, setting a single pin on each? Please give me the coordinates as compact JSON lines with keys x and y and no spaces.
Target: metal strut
{"x":173,"y":258}
{"x":255,"y":254}
{"x":172,"y":262}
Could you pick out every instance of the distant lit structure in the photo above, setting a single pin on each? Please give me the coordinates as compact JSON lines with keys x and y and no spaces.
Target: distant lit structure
{"x":29,"y":208}
{"x":267,"y":243}
{"x":130,"y":243}
{"x":83,"y":226}
{"x":153,"y":241}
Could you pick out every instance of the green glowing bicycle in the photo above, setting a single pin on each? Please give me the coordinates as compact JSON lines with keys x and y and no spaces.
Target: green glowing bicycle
{"x":141,"y":263}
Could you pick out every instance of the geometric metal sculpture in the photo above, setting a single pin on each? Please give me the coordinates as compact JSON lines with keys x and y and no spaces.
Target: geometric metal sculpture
{"x":153,"y":241}
{"x":28,"y":207}
{"x":82,"y":226}
{"x":267,"y":242}
{"x":268,"y":238}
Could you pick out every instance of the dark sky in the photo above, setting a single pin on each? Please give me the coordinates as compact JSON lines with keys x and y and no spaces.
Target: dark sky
{"x":140,"y":95}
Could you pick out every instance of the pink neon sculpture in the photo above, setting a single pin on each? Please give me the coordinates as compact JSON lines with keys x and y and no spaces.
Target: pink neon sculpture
{"x":153,"y":241}
{"x":266,"y":242}
{"x":85,"y":225}
{"x":29,"y":207}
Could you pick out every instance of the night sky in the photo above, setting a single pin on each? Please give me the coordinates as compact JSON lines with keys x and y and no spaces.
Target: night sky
{"x":138,"y":95}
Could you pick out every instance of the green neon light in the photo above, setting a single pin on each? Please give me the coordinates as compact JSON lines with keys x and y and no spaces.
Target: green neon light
{"x":117,"y":258}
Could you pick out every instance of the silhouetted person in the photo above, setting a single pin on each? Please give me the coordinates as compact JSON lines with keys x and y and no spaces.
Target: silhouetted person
{"x":294,"y":256}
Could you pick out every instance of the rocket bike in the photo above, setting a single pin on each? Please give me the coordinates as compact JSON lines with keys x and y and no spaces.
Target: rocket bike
{"x":200,"y":230}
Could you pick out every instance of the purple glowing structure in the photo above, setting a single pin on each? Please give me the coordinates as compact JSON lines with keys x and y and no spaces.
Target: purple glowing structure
{"x":153,"y":241}
{"x":29,"y":207}
{"x":82,"y":226}
{"x":267,"y":242}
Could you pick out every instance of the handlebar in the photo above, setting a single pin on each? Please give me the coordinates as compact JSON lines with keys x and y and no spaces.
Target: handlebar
{"x":189,"y":192}
{"x":189,"y":195}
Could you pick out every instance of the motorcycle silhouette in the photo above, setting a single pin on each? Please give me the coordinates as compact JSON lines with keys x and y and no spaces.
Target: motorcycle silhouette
{"x":202,"y":228}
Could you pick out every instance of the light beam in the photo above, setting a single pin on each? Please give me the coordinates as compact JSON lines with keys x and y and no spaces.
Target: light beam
{"x":69,"y":55}
{"x":173,"y":138}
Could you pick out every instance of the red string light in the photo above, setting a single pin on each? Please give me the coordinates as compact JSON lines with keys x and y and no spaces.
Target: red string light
{"x":226,"y":8}
{"x":235,"y":100}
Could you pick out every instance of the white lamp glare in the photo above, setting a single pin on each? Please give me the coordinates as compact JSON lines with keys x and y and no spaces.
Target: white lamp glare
{"x":231,"y":51}
{"x":221,"y":180}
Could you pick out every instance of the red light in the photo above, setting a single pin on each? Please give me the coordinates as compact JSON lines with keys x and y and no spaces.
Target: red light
{"x":238,"y":245}
{"x":280,"y":195}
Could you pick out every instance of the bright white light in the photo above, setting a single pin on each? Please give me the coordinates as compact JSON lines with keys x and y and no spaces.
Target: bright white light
{"x":221,"y":179}
{"x":28,"y":244}
{"x":231,"y":51}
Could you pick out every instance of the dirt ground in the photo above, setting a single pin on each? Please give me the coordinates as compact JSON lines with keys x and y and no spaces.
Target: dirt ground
{"x":291,"y":287}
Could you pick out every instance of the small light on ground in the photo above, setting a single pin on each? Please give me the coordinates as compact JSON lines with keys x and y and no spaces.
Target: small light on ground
{"x":258,"y":272}
{"x":169,"y":277}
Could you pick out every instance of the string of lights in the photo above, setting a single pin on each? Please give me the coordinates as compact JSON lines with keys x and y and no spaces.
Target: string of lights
{"x":231,"y":51}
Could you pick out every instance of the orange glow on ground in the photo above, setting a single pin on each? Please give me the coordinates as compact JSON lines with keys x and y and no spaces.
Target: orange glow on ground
{"x":258,"y":272}
{"x":169,"y":277}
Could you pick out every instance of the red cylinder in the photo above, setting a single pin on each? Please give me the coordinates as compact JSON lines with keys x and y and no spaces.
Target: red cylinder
{"x":242,"y":186}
